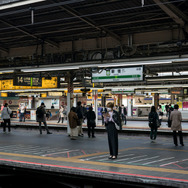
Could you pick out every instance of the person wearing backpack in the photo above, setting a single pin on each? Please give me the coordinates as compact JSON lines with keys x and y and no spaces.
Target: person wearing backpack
{"x":6,"y":115}
{"x":112,"y":123}
{"x":41,"y":117}
{"x":153,"y":123}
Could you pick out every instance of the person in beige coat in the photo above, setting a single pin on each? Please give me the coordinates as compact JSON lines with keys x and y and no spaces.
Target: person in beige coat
{"x":176,"y":119}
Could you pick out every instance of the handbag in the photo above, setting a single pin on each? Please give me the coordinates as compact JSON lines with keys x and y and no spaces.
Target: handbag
{"x":2,"y":123}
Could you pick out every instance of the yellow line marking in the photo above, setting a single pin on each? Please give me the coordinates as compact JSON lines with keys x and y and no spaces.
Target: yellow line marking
{"x":96,"y":164}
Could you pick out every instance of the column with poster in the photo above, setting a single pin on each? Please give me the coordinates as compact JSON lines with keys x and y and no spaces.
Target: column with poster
{"x":69,"y":97}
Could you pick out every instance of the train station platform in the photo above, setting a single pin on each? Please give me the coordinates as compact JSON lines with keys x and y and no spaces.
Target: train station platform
{"x":140,"y":162}
{"x":134,"y":125}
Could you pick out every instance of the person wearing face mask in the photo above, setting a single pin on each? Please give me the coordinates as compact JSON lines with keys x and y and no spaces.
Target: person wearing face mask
{"x":112,"y":123}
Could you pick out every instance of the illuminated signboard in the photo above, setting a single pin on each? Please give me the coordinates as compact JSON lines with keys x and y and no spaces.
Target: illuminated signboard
{"x":177,"y":91}
{"x":125,"y":74}
{"x":8,"y":84}
{"x":27,"y":81}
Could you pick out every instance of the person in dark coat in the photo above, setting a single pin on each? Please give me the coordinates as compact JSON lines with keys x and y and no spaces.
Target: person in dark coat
{"x":123,"y":113}
{"x":111,"y":120}
{"x":102,"y":111}
{"x":41,"y":117}
{"x":153,"y":122}
{"x":91,"y":124}
{"x":79,"y":112}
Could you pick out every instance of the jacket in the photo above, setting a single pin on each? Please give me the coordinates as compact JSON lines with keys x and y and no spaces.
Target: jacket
{"x":176,"y":119}
{"x":153,"y":119}
{"x":91,"y":119}
{"x":43,"y":118}
{"x":73,"y":119}
{"x":5,"y":114}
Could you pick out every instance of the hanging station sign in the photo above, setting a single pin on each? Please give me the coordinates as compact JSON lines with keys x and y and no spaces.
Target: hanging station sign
{"x":125,"y":74}
{"x":27,"y":81}
{"x":122,"y":91}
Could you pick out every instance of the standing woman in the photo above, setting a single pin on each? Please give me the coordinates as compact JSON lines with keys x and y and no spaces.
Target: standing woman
{"x":91,"y":124}
{"x":61,"y":115}
{"x":111,"y":118}
{"x":176,"y":119}
{"x":153,"y":123}
{"x":5,"y":115}
{"x":160,"y":115}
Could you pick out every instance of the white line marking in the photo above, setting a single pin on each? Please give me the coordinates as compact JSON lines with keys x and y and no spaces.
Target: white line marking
{"x":174,"y":162}
{"x":121,"y":156}
{"x":158,"y":160}
{"x":130,"y":158}
{"x":143,"y":159}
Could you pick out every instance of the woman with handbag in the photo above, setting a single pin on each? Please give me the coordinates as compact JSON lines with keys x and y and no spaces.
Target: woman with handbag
{"x":5,"y":115}
{"x":160,"y":113}
{"x":91,"y":124}
{"x":153,"y":123}
{"x":112,"y":122}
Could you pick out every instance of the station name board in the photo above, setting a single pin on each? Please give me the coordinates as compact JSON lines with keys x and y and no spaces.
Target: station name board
{"x":27,"y":81}
{"x":125,"y":74}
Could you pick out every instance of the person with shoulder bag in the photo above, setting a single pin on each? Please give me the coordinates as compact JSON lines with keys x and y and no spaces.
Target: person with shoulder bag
{"x":153,"y":123}
{"x":91,"y":124}
{"x":6,"y":115}
{"x":112,"y":123}
{"x":41,"y":117}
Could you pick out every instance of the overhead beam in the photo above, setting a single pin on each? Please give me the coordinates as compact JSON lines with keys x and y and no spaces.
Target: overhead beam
{"x":170,"y":12}
{"x":90,"y":22}
{"x":47,"y":41}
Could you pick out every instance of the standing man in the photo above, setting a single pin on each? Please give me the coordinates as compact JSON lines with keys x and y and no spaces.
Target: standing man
{"x":102,"y":111}
{"x":123,"y":113}
{"x":167,"y":109}
{"x":176,"y":119}
{"x":41,"y":117}
{"x":22,"y":112}
{"x":5,"y":115}
{"x":79,"y":112}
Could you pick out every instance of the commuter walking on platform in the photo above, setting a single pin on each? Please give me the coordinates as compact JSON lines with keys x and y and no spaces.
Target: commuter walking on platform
{"x":79,"y":112}
{"x":61,"y":114}
{"x":5,"y":115}
{"x":153,"y":123}
{"x":73,"y":123}
{"x":22,"y":112}
{"x":176,"y":119}
{"x":91,"y":124}
{"x":41,"y":117}
{"x":112,"y":121}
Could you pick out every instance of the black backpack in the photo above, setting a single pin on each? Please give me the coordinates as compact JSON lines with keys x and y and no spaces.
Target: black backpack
{"x":152,"y":119}
{"x":39,"y":112}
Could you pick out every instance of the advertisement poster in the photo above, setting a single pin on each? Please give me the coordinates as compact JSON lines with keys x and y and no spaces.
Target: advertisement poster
{"x":33,"y":114}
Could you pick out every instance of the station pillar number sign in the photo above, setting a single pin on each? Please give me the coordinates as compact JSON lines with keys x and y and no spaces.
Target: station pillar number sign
{"x":27,"y":81}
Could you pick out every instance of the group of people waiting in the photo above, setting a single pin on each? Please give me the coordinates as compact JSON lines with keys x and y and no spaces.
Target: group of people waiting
{"x":112,"y":122}
{"x":174,"y":121}
{"x":76,"y":117}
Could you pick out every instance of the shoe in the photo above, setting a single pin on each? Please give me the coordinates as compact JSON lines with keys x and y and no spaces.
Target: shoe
{"x":176,"y":144}
{"x":182,"y":144}
{"x":114,"y":157}
{"x":73,"y":138}
{"x":49,"y":133}
{"x":110,"y":157}
{"x":93,"y":136}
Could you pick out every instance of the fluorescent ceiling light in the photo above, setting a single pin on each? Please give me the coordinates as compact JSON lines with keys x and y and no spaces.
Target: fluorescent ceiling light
{"x":49,"y":69}
{"x":17,"y":4}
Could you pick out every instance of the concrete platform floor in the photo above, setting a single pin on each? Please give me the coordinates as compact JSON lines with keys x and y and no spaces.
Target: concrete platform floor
{"x":139,"y":160}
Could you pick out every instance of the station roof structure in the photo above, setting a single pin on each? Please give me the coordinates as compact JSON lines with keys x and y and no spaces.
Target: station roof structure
{"x":89,"y":32}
